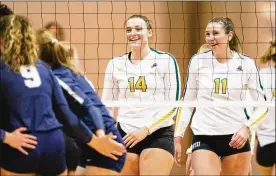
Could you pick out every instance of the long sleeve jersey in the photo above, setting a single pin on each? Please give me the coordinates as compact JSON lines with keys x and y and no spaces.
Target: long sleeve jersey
{"x":30,"y":97}
{"x":209,"y":80}
{"x":83,"y":100}
{"x":155,"y":78}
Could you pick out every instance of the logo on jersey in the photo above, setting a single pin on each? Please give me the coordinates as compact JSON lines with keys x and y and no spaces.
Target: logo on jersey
{"x":154,"y":65}
{"x":239,"y":68}
{"x":203,"y":67}
{"x":196,"y":145}
{"x":119,"y":68}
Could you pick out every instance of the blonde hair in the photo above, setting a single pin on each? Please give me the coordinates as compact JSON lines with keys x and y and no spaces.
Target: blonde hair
{"x":269,"y":54}
{"x":60,"y":34}
{"x":18,"y":41}
{"x":203,"y":48}
{"x":53,"y":52}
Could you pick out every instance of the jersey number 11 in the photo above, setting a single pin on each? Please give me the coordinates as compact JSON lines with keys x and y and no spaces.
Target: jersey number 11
{"x":217,"y":85}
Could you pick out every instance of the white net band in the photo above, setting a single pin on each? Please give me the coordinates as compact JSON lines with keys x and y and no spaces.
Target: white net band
{"x":189,"y":104}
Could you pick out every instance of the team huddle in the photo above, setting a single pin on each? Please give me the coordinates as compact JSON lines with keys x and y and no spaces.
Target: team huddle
{"x":54,"y":123}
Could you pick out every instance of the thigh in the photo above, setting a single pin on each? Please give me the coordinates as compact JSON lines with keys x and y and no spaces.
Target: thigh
{"x":237,"y":164}
{"x":8,"y":173}
{"x":151,"y":159}
{"x":205,"y":162}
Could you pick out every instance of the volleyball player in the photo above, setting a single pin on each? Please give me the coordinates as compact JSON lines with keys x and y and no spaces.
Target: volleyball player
{"x":144,"y":74}
{"x":84,"y":101}
{"x":30,"y":91}
{"x":221,"y":74}
{"x":14,"y":139}
{"x":266,"y":155}
{"x":178,"y":134}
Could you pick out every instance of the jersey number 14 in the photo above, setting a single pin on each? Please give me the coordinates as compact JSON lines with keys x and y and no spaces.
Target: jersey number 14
{"x":139,"y":85}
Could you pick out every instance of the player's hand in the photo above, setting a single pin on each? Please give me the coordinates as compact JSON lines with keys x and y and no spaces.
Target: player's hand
{"x":107,"y":146}
{"x":135,"y":137}
{"x":239,"y":139}
{"x":189,"y":164}
{"x":18,"y":140}
{"x":177,"y":151}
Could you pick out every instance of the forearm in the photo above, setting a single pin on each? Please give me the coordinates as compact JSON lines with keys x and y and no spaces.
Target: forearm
{"x":75,"y":126}
{"x":96,"y":118}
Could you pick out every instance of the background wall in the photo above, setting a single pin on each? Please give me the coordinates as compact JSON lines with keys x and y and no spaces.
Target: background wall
{"x":96,"y":29}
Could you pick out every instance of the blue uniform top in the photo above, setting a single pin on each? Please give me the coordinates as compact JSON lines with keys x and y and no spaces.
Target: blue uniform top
{"x":31,"y":96}
{"x":83,"y":99}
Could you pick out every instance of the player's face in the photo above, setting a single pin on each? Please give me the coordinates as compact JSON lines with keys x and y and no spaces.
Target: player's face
{"x":216,"y":37}
{"x":53,"y":30}
{"x":137,"y":32}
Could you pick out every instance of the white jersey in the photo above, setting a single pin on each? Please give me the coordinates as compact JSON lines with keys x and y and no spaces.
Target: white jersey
{"x":155,"y":78}
{"x":210,"y":80}
{"x":266,"y":130}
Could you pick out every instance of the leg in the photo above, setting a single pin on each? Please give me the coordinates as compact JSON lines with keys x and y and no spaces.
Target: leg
{"x":92,"y":170}
{"x":131,"y":166}
{"x":64,"y":173}
{"x":80,"y":171}
{"x":152,"y":158}
{"x":5,"y":172}
{"x":266,"y":170}
{"x":205,"y":162}
{"x":237,"y":164}
{"x":71,"y":172}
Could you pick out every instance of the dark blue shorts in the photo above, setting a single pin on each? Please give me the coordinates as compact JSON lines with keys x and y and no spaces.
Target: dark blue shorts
{"x":48,"y":158}
{"x":93,"y":158}
{"x":218,"y":144}
{"x":266,"y":155}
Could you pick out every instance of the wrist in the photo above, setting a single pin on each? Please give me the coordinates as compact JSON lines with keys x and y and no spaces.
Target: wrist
{"x":177,"y":139}
{"x":146,"y":130}
{"x":247,"y":128}
{"x":6,"y":137}
{"x":93,"y":142}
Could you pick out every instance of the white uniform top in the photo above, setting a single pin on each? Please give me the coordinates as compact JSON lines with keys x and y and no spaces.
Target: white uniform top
{"x":155,"y":78}
{"x":266,"y":130}
{"x":210,"y":80}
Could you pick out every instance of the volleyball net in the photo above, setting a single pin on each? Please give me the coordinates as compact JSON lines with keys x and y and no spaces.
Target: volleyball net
{"x":97,"y":30}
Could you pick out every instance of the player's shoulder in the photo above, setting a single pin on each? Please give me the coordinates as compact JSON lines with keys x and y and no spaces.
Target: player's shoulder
{"x":121,"y":58}
{"x":202,"y":54}
{"x":162,"y":56}
{"x":243,"y":56}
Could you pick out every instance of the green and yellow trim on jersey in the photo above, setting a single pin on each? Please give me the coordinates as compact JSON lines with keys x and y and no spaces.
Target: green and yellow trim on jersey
{"x":152,"y":126}
{"x":258,"y":119}
{"x":177,"y":96}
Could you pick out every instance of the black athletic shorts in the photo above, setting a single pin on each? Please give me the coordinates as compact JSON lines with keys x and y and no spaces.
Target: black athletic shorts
{"x":162,"y":138}
{"x":72,"y":151}
{"x":218,"y":144}
{"x":266,"y":155}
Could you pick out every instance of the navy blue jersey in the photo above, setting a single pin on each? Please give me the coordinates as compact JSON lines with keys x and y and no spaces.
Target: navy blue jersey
{"x":83,"y":100}
{"x":30,"y":96}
